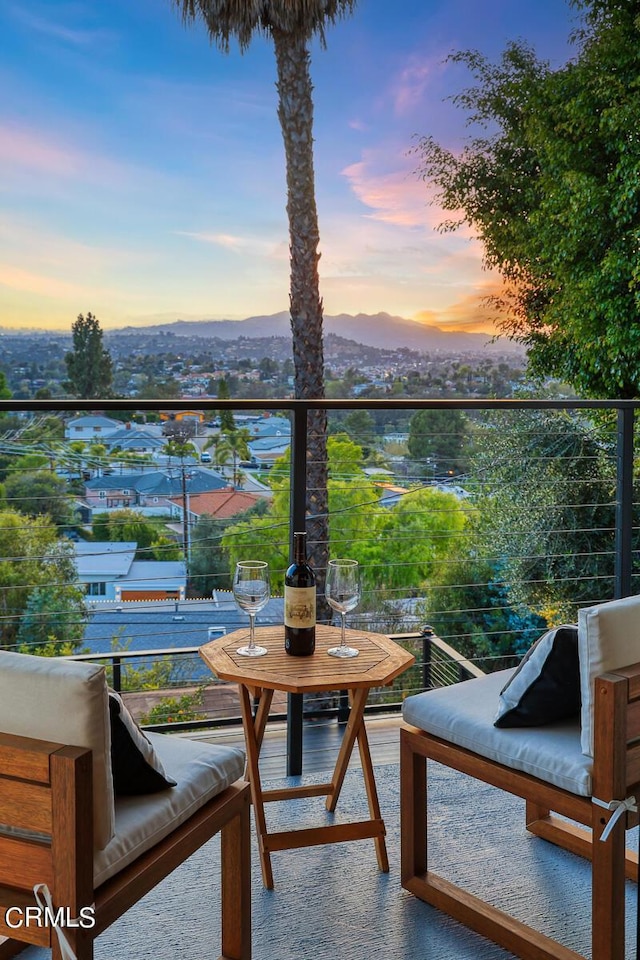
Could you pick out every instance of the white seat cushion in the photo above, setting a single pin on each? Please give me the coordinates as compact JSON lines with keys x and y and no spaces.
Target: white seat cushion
{"x":63,"y":701}
{"x":201,"y":771}
{"x":608,"y":638}
{"x":464,"y":713}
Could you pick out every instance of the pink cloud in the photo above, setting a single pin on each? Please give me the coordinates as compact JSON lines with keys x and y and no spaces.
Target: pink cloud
{"x":226,"y":240}
{"x":471,"y":312}
{"x":387,"y":181}
{"x":23,"y":149}
{"x":408,"y":88}
{"x":256,"y":246}
{"x":460,"y":259}
{"x":396,"y":197}
{"x":27,"y":282}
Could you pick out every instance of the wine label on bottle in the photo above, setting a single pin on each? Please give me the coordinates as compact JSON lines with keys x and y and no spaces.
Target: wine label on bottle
{"x":300,"y":607}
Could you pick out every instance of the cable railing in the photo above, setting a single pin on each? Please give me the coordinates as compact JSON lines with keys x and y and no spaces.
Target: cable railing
{"x":490,"y":529}
{"x":438,"y":665}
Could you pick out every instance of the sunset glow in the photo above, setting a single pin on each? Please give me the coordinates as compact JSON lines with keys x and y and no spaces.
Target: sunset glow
{"x":143,"y":170}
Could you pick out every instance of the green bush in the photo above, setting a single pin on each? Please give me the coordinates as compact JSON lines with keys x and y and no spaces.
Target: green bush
{"x":176,"y":709}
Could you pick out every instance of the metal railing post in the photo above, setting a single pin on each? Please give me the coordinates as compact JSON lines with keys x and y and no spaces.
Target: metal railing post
{"x":343,"y":707}
{"x":297,"y":515}
{"x":624,"y":503}
{"x":427,"y":634}
{"x":117,"y":674}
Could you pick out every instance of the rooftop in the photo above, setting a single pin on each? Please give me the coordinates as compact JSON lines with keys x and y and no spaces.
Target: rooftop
{"x":220,"y":503}
{"x":104,"y":557}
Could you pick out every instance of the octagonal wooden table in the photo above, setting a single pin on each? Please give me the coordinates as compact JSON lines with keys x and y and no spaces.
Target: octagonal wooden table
{"x":379,"y":661}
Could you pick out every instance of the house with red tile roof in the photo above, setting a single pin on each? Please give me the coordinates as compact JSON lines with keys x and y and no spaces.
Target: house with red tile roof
{"x":221,"y":504}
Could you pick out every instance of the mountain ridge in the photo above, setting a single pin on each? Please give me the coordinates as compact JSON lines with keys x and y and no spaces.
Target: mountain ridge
{"x":380,"y":330}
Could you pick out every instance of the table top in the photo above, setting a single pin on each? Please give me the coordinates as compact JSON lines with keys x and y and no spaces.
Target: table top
{"x":380,"y":661}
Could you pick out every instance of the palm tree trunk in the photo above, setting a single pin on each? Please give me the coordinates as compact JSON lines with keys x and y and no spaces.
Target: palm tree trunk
{"x":295,"y":111}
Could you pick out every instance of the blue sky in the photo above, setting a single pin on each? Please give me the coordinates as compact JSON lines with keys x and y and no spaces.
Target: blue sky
{"x":142,"y":170}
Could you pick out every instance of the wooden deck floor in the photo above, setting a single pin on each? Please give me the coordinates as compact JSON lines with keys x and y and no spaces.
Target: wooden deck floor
{"x":321,"y":742}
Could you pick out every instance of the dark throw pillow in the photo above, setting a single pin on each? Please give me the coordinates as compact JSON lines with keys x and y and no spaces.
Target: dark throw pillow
{"x":135,"y":765}
{"x":546,"y":685}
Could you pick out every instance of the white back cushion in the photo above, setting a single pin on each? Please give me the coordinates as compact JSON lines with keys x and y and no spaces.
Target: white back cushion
{"x":63,"y":701}
{"x":608,"y":638}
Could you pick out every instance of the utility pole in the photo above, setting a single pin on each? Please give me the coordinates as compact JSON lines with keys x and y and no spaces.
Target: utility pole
{"x":185,"y":518}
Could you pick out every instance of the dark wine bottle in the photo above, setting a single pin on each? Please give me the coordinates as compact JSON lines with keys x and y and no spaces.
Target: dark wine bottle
{"x":299,"y":602}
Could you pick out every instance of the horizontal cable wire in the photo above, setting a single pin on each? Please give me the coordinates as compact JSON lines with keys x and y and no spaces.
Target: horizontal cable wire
{"x":595,"y":524}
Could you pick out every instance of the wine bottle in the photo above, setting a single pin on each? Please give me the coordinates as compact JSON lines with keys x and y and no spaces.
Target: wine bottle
{"x":299,"y":602}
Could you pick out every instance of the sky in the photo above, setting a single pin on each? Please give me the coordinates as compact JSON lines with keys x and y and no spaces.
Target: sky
{"x":142,"y":172}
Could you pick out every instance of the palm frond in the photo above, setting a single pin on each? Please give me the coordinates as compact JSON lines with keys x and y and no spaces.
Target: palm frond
{"x":241,"y":19}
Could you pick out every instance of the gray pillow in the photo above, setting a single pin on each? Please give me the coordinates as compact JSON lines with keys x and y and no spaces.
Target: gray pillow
{"x":546,"y":685}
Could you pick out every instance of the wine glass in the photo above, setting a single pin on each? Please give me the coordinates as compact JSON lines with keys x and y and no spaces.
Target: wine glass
{"x":342,"y":590}
{"x":251,"y":592}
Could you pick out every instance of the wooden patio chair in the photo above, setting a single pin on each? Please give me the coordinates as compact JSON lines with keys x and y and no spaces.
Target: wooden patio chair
{"x":585,"y":768}
{"x":75,"y":852}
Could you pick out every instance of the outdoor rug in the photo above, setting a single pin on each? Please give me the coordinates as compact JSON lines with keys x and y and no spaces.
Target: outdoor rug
{"x":332,"y":903}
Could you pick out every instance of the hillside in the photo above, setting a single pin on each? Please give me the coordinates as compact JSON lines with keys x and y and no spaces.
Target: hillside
{"x":380,"y":330}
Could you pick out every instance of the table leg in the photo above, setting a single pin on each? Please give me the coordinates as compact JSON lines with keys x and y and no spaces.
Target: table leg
{"x":372,"y":794}
{"x":262,"y":715}
{"x":253,"y":733}
{"x":358,"y":701}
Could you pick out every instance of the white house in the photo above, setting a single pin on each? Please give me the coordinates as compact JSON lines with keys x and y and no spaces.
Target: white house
{"x":91,"y":429}
{"x":267,"y":450}
{"x":111,"y":572}
{"x":132,"y":440}
{"x":270,"y":427}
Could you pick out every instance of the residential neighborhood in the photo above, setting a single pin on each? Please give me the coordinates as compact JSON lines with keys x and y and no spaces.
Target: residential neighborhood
{"x":151,"y":491}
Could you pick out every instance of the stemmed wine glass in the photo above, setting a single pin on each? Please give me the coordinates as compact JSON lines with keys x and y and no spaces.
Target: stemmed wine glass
{"x":342,"y":590}
{"x":251,"y":592}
